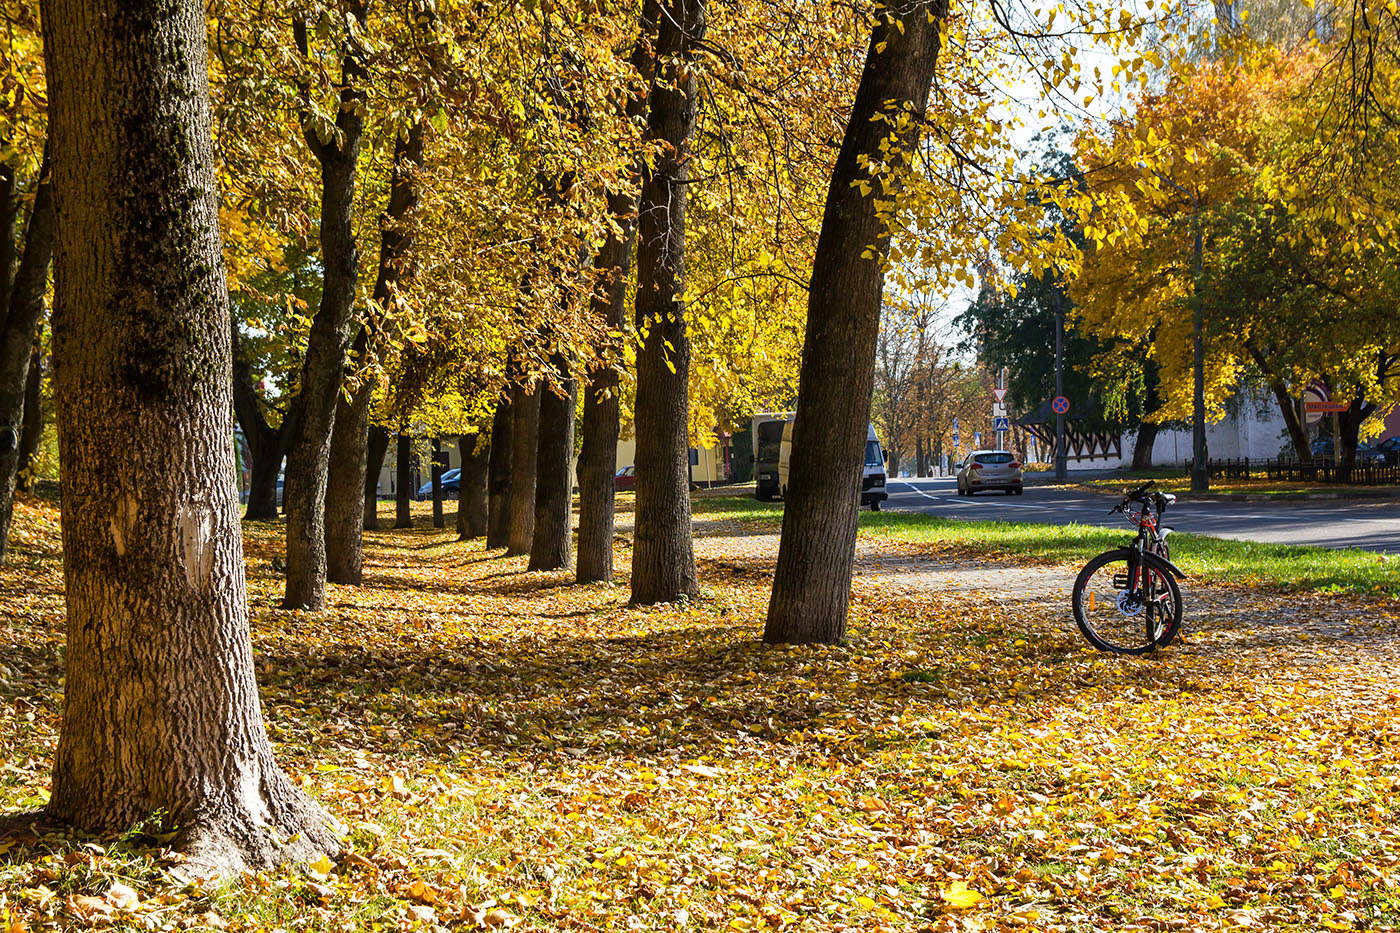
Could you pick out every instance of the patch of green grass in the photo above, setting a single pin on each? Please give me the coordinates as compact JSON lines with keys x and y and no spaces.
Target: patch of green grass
{"x":1201,"y":556}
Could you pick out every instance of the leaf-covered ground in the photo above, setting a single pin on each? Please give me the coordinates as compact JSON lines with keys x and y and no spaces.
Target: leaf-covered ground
{"x":511,"y":751}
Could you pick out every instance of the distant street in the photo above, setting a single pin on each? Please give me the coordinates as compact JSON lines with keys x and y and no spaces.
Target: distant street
{"x":1326,"y":522}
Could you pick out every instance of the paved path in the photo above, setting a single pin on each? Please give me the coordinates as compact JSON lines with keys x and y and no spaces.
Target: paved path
{"x":1325,"y":522}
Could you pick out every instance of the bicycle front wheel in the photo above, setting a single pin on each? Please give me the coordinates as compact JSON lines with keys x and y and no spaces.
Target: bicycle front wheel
{"x":1125,"y":609}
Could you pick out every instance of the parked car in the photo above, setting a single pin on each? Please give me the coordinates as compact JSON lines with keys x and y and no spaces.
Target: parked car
{"x":626,"y":478}
{"x":1365,"y":453}
{"x":1390,"y":449}
{"x":990,"y":469}
{"x":451,"y":486}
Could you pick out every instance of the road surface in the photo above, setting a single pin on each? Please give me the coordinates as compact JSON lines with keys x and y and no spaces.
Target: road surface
{"x":1323,"y":522}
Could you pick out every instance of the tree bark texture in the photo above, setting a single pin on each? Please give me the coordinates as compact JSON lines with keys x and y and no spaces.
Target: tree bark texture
{"x":326,"y":346}
{"x":32,"y":432}
{"x":435,"y":468}
{"x":554,"y":494}
{"x":161,"y":711}
{"x":475,"y":453}
{"x":9,"y":249}
{"x":597,"y":459}
{"x":663,"y":554}
{"x":403,"y":496}
{"x":345,"y":488}
{"x":812,"y":584}
{"x":378,"y":450}
{"x":499,"y":473}
{"x":21,"y":327}
{"x":525,"y":436}
{"x":345,"y":499}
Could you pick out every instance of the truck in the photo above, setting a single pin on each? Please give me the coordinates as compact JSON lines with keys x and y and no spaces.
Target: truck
{"x":873,"y":478}
{"x":767,"y":439}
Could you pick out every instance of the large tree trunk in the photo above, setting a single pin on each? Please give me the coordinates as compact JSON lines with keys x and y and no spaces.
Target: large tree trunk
{"x":265,"y":465}
{"x":554,"y":497}
{"x":32,"y":431}
{"x":403,"y":497}
{"x":500,"y":472}
{"x":475,"y":453}
{"x":378,"y":450}
{"x":812,"y":584}
{"x":597,"y":459}
{"x":439,"y":520}
{"x":21,"y":326}
{"x":160,"y":711}
{"x":345,"y":499}
{"x":328,"y":342}
{"x":1297,"y":431}
{"x":525,"y":435}
{"x":663,"y":554}
{"x":1142,"y":445}
{"x":345,"y":489}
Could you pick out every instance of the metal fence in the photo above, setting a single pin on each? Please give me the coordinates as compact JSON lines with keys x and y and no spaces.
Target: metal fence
{"x":1288,"y":470}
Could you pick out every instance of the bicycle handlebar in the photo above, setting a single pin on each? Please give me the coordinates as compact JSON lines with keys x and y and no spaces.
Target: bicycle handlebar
{"x":1137,"y":495}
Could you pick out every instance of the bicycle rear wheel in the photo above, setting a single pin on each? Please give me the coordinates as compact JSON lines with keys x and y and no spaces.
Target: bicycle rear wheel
{"x":1114,"y":615}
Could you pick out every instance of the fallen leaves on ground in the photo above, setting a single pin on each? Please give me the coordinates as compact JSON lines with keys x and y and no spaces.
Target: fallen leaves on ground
{"x":512,"y":752}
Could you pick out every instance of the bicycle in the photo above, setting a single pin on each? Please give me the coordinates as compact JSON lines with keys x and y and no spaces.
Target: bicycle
{"x":1126,"y":600}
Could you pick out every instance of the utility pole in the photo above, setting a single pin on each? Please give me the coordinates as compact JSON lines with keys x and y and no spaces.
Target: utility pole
{"x":1061,"y":467}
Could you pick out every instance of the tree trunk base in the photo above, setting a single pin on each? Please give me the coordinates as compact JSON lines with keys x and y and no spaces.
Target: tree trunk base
{"x":229,"y":844}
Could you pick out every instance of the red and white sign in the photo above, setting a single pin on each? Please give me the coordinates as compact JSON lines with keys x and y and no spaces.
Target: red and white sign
{"x":999,"y":395}
{"x":1316,"y":403}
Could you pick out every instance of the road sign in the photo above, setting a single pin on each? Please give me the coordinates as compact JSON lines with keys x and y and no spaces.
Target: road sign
{"x":1001,"y":423}
{"x":998,"y":410}
{"x":1315,"y":393}
{"x":955,"y":438}
{"x":955,"y":424}
{"x":977,"y":438}
{"x":1060,"y":405}
{"x":999,"y":395}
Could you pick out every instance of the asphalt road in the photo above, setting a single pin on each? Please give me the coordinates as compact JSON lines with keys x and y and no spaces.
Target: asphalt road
{"x":1326,"y":522}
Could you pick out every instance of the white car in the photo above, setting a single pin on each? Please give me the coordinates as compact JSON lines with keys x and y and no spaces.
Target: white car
{"x":990,"y":469}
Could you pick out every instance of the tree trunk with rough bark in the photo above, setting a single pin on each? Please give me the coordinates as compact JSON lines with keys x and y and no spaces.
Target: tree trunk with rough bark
{"x":160,"y":710}
{"x":32,"y":432}
{"x":475,"y":453}
{"x":663,"y":554}
{"x":378,"y":450}
{"x":329,"y":341}
{"x":435,"y":468}
{"x":20,"y":328}
{"x":816,"y":556}
{"x":554,"y":499}
{"x":345,"y":489}
{"x":499,"y":473}
{"x":525,"y":435}
{"x":348,"y":468}
{"x":403,"y":497}
{"x":597,"y":459}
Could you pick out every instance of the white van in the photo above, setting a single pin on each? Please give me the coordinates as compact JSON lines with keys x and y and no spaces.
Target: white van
{"x":872,"y":480}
